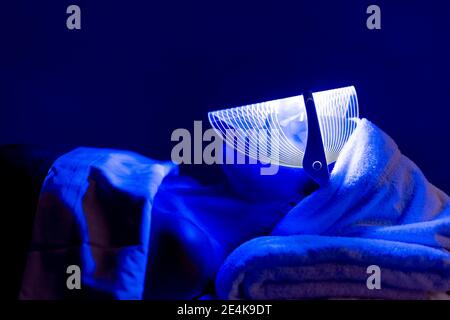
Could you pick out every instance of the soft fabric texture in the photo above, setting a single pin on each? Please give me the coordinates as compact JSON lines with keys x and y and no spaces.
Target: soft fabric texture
{"x":139,"y":229}
{"x":94,"y":212}
{"x":377,"y":209}
{"x":183,"y":263}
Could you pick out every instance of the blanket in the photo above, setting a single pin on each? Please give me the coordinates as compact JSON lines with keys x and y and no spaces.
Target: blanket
{"x":138,"y":229}
{"x":93,"y":218}
{"x":378,"y":210}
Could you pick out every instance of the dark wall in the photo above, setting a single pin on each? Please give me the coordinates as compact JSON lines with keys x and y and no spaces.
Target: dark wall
{"x":139,"y":69}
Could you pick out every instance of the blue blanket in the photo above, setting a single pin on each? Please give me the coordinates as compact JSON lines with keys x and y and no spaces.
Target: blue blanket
{"x":377,"y":209}
{"x":94,"y":213}
{"x":98,"y":207}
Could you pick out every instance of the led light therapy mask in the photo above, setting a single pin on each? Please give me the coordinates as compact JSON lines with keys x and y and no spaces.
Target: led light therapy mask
{"x":306,"y":131}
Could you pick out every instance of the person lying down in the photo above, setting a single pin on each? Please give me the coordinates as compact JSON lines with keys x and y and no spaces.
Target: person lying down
{"x":142,"y":229}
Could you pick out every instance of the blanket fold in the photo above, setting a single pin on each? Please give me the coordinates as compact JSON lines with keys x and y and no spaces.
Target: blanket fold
{"x":94,"y":213}
{"x":97,"y":207}
{"x":377,"y":209}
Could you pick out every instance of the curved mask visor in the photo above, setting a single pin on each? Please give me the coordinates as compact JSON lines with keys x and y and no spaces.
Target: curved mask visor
{"x":277,"y":131}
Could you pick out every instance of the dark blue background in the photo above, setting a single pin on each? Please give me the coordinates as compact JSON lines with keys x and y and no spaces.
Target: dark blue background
{"x":139,"y":69}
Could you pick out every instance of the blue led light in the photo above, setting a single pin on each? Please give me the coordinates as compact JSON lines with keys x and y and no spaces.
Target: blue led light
{"x":280,"y":127}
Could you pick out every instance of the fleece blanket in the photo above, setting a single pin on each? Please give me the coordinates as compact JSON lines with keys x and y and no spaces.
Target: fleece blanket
{"x":94,"y":214}
{"x":138,"y":229}
{"x":378,"y":210}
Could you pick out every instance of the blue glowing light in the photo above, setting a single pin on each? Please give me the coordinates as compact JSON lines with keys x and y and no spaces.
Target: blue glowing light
{"x":280,"y":127}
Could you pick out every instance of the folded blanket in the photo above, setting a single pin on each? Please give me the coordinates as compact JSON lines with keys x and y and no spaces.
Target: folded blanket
{"x":138,"y":229}
{"x":377,"y":209}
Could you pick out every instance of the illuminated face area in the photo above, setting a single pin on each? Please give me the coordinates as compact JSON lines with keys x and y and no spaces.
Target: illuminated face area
{"x":276,"y":131}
